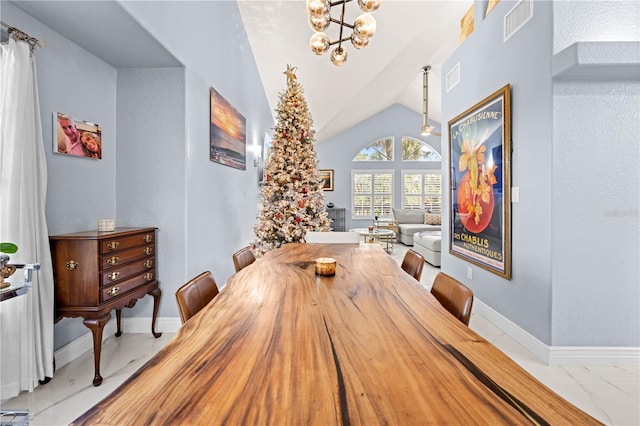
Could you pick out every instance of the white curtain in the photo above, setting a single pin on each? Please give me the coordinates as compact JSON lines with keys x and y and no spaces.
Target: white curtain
{"x":23,"y":189}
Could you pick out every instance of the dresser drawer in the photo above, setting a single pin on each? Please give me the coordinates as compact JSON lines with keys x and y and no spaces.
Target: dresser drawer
{"x":116,"y":244}
{"x":121,"y":272}
{"x":115,"y":290}
{"x":115,"y":259}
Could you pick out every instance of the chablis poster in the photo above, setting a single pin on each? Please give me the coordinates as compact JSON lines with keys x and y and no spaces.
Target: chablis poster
{"x":479,"y":202}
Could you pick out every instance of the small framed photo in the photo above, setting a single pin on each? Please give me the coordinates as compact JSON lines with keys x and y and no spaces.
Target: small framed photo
{"x":327,"y":176}
{"x":75,"y":137}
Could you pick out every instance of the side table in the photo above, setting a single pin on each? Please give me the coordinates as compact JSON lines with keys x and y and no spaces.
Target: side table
{"x":392,"y":226}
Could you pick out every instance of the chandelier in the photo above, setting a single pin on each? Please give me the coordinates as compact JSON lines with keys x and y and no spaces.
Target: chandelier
{"x":362,"y":29}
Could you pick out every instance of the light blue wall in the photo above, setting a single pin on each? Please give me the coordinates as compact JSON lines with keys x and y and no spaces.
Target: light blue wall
{"x":155,"y":169}
{"x":337,"y":153}
{"x":602,"y":20}
{"x":596,"y":197}
{"x":524,"y":61}
{"x":151,"y":163}
{"x":596,"y":191}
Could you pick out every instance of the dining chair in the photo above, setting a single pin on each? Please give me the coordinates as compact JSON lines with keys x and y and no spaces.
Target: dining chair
{"x":332,"y":237}
{"x":413,"y":263}
{"x":454,"y":296}
{"x":195,"y":295}
{"x":243,"y":258}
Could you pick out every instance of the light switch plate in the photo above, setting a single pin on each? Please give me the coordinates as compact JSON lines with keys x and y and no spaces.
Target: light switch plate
{"x":515,"y":194}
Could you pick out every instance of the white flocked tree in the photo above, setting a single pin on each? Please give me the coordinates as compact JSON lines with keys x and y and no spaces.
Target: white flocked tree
{"x":292,"y":198}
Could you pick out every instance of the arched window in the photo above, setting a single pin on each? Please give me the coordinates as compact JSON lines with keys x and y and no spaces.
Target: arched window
{"x":380,"y":150}
{"x":416,"y":150}
{"x":373,"y":187}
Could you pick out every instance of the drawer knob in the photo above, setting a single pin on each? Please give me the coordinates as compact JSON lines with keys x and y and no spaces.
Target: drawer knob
{"x":113,"y":260}
{"x":71,"y":265}
{"x":147,"y":238}
{"x":148,"y":276}
{"x":113,"y":245}
{"x":148,"y":250}
{"x":113,"y":276}
{"x":148,"y":264}
{"x":113,"y":291}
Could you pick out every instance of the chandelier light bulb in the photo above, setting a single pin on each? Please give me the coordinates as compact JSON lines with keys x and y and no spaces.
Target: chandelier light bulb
{"x":359,"y":43}
{"x":319,"y":43}
{"x":318,"y":8}
{"x":338,"y":56}
{"x":369,"y":6}
{"x":364,"y":26}
{"x":319,"y":24}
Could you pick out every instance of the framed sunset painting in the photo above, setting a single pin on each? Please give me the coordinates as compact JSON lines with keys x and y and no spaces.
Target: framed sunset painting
{"x":228,"y":140}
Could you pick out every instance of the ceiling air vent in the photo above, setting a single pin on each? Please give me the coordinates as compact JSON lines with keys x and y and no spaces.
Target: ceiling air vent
{"x":515,"y":19}
{"x":453,"y":77}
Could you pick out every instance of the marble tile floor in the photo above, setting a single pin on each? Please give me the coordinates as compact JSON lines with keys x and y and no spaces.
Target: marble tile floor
{"x":610,"y":393}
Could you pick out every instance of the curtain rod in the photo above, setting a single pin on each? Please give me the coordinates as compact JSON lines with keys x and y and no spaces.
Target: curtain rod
{"x":21,"y":35}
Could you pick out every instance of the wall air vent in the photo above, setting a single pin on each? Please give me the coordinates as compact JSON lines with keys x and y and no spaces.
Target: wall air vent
{"x":453,"y":77}
{"x":515,"y":19}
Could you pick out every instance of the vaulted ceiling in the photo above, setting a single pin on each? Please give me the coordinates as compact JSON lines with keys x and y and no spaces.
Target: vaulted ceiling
{"x":410,"y":35}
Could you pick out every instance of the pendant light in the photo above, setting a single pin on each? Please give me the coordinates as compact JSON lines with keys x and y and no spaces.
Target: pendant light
{"x":427,"y":130}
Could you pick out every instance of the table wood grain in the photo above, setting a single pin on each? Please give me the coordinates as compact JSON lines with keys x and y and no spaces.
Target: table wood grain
{"x":280,"y":345}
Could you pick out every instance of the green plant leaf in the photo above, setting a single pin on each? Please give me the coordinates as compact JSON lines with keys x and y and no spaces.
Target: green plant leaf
{"x":8,"y":248}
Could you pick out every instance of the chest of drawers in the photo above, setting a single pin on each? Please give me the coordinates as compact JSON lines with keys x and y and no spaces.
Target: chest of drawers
{"x":97,"y":272}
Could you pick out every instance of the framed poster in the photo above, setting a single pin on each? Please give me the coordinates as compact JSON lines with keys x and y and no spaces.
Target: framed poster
{"x":75,"y":137}
{"x":228,"y":140}
{"x":480,"y":168}
{"x":327,"y":176}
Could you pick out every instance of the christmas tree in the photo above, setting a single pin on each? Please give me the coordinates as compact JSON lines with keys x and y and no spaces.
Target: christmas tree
{"x":292,"y":198}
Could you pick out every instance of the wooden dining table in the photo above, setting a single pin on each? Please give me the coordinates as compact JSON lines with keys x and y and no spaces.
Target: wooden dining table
{"x":281,"y":345}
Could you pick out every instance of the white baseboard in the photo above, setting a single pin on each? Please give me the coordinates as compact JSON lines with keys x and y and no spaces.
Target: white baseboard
{"x":593,"y":355}
{"x":558,"y":355}
{"x":84,"y":343}
{"x":531,"y":343}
